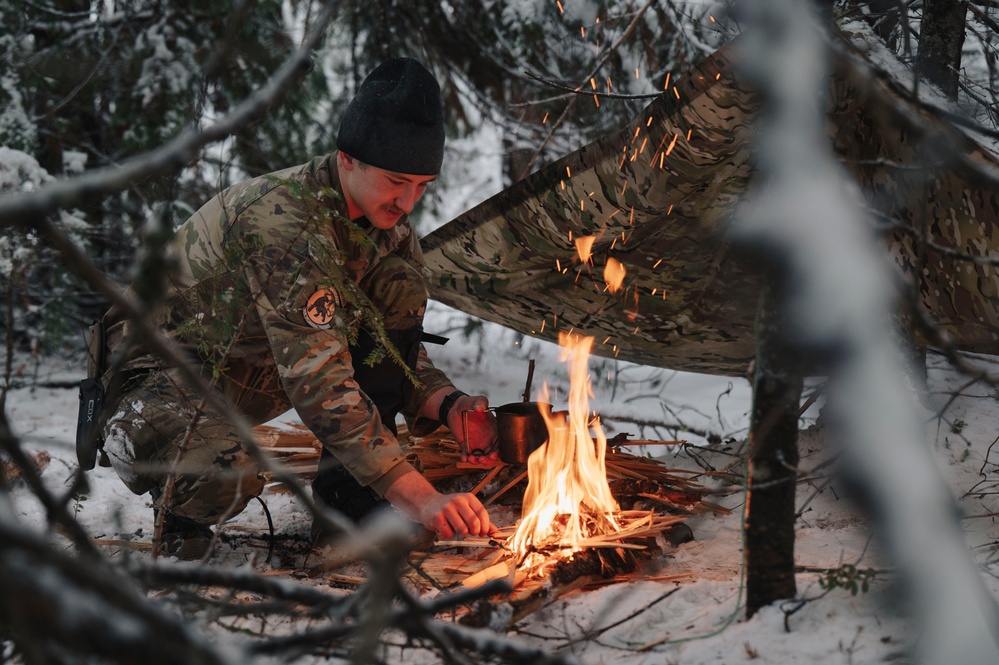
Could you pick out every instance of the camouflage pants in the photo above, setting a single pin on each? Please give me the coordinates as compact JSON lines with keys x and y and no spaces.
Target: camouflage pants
{"x":158,"y":427}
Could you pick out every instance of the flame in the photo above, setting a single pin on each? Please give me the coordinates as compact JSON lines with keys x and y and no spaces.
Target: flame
{"x":614,"y":273}
{"x":567,"y":498}
{"x":584,"y":247}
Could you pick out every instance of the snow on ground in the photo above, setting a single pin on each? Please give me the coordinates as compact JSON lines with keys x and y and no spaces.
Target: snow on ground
{"x":695,"y":619}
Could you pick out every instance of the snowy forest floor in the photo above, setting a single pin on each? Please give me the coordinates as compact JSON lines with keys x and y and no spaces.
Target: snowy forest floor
{"x":696,"y":618}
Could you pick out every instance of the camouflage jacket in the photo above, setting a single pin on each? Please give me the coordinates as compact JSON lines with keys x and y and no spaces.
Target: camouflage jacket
{"x":249,"y":261}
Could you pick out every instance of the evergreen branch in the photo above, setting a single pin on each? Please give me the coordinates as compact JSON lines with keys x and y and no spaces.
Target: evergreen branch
{"x":333,"y":266}
{"x":25,"y":208}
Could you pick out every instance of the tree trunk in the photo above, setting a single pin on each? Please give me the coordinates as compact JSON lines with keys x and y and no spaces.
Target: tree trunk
{"x":884,"y":18}
{"x":941,"y":38}
{"x":773,"y":459}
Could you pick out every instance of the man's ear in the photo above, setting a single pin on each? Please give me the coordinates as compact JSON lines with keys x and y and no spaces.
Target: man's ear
{"x":346,"y":161}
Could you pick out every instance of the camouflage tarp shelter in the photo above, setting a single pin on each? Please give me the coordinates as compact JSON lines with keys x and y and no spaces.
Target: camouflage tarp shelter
{"x":658,"y":196}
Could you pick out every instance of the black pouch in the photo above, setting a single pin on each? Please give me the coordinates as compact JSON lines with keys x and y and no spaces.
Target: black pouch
{"x":91,"y":401}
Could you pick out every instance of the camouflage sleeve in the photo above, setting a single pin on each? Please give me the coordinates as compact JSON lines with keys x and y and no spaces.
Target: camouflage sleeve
{"x":431,"y":378}
{"x":312,"y":357}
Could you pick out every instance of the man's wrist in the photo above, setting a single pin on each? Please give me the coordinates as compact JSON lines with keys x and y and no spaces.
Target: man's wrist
{"x":447,"y":404}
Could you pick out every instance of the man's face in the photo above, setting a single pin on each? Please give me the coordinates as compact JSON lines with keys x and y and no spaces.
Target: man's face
{"x":381,"y":196}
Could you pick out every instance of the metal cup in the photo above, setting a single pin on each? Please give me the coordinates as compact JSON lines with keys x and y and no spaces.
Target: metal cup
{"x":522,"y":430}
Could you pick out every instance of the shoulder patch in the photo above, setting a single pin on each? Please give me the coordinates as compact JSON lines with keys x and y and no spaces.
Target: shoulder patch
{"x":321,"y":307}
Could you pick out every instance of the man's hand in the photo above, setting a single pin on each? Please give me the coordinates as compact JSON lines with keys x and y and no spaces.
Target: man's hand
{"x":457,"y":516}
{"x":474,"y":426}
{"x":450,"y":515}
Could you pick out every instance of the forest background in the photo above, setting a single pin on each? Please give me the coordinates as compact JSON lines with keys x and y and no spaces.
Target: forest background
{"x":94,"y":88}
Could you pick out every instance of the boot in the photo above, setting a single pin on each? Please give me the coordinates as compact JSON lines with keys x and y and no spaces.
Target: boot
{"x":184,"y":538}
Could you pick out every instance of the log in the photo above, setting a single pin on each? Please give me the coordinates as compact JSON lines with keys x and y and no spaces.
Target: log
{"x":506,"y":569}
{"x":628,"y":491}
{"x":14,"y":474}
{"x":585,"y":568}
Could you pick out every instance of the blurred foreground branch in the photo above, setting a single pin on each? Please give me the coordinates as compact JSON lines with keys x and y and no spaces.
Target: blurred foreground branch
{"x":806,"y":223}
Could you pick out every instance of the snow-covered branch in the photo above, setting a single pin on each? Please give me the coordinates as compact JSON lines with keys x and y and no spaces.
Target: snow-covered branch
{"x":840,"y":295}
{"x":26,"y":208}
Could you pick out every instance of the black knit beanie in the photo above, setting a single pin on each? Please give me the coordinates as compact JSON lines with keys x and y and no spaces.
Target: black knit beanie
{"x":396,"y":120}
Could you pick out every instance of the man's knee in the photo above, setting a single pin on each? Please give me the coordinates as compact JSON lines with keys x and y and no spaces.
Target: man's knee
{"x":217,"y":497}
{"x":215,"y":475}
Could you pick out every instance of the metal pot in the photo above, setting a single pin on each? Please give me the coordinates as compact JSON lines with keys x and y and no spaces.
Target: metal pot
{"x":521,"y":430}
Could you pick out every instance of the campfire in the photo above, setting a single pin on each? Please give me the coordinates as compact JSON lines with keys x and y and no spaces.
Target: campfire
{"x":568,"y":500}
{"x":572,"y":531}
{"x":580,"y":525}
